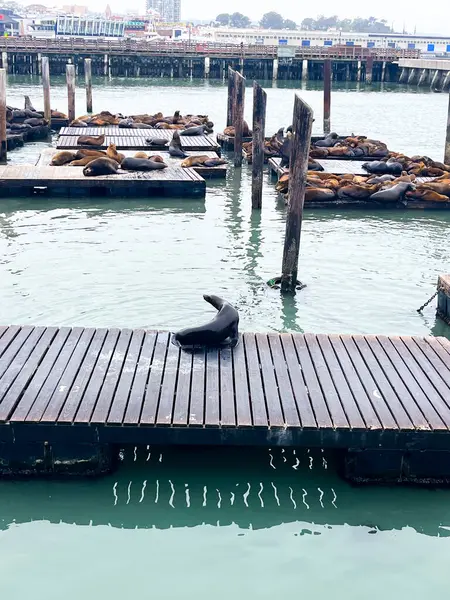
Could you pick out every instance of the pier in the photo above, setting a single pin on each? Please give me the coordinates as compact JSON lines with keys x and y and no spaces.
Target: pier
{"x":443,"y":294}
{"x":383,"y":401}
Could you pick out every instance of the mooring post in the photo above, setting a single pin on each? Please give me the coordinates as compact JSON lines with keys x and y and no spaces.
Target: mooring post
{"x":369,"y":69}
{"x":70,"y":78}
{"x":3,"y":141}
{"x":230,"y":96}
{"x":259,"y":127}
{"x":326,"y":95}
{"x":301,"y":136}
{"x":238,"y":115}
{"x":88,"y":81}
{"x":46,"y":87}
{"x":447,"y":139}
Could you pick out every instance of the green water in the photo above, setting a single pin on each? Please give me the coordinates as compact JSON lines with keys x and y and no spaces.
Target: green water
{"x":267,"y":526}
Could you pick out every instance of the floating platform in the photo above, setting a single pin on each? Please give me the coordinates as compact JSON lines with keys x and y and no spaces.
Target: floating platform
{"x":135,"y":139}
{"x":219,"y":172}
{"x":57,"y":123}
{"x":443,"y":292}
{"x":22,"y":180}
{"x":336,"y":167}
{"x":384,"y":401}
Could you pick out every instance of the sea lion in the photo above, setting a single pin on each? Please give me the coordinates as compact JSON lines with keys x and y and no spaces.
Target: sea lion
{"x":28,"y":105}
{"x":357,"y":192}
{"x":202,"y":160}
{"x":82,"y":152}
{"x":141,"y":155}
{"x":175,"y":149}
{"x":126,"y":123}
{"x":441,"y":187}
{"x":111,"y":151}
{"x":198,"y":130}
{"x":62,"y":158}
{"x":379,"y":167}
{"x":156,"y":141}
{"x":222,"y":329}
{"x":141,"y":164}
{"x":77,"y":123}
{"x":35,"y":122}
{"x":381,"y":179}
{"x":101,"y":166}
{"x":328,"y":141}
{"x":56,"y":114}
{"x":156,"y":158}
{"x":82,"y":162}
{"x":393,"y":194}
{"x":427,"y":195}
{"x":91,"y":140}
{"x":319,"y":194}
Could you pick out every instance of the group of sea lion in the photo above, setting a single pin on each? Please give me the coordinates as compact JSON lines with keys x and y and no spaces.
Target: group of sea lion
{"x":323,"y":187}
{"x":145,"y":121}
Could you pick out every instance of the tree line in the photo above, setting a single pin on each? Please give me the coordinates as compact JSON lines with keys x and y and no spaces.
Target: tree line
{"x":273,"y":20}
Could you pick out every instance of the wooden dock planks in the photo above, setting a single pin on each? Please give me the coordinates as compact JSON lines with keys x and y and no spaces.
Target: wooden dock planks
{"x":337,"y":389}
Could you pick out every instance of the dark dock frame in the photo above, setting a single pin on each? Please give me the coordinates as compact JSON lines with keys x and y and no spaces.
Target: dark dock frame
{"x":443,"y":293}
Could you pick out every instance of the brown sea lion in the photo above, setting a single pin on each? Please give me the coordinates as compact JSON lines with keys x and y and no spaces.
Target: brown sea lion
{"x":82,"y":162}
{"x":141,"y":155}
{"x":56,"y":114}
{"x":441,"y":187}
{"x":156,"y":158}
{"x":111,"y":151}
{"x":62,"y":158}
{"x":77,"y":123}
{"x":358,"y":192}
{"x":91,"y":140}
{"x":82,"y":152}
{"x":427,"y":195}
{"x":319,"y":194}
{"x":206,"y":161}
{"x":101,"y":166}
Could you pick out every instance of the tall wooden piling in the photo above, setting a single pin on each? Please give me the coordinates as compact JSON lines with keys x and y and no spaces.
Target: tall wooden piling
{"x":46,"y":88}
{"x":301,"y":136}
{"x":88,"y":82}
{"x":327,"y":96}
{"x":259,"y":127}
{"x":447,"y":139}
{"x":3,"y":141}
{"x":230,"y":96}
{"x":238,"y":112}
{"x":70,"y":78}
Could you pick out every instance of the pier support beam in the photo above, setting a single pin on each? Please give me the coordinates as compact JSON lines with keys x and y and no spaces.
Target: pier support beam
{"x":241,"y":66}
{"x":207,"y":66}
{"x":412,"y":75}
{"x":423,"y":77}
{"x":369,"y":69}
{"x":446,"y":83}
{"x":46,"y":88}
{"x":443,"y":304}
{"x":275,"y":69}
{"x":327,"y":95}
{"x":106,"y":65}
{"x":39,"y":63}
{"x":259,"y":127}
{"x":191,"y":66}
{"x":383,"y":71}
{"x":238,"y":116}
{"x":88,"y":82}
{"x":230,"y":96}
{"x":3,"y":141}
{"x":5,"y":61}
{"x":403,"y":75}
{"x":305,"y":69}
{"x":358,"y":72}
{"x":435,"y":80}
{"x":447,"y":138}
{"x":70,"y":78}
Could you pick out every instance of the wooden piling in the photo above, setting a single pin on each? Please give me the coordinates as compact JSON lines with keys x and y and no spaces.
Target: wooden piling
{"x":259,"y":126}
{"x":3,"y":142}
{"x":301,"y":136}
{"x":70,"y":78}
{"x":46,"y":87}
{"x":230,"y":96}
{"x":88,"y":82}
{"x":326,"y":95}
{"x":447,"y":139}
{"x":238,"y":112}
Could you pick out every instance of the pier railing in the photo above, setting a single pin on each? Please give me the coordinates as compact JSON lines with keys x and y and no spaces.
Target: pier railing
{"x":192,"y":49}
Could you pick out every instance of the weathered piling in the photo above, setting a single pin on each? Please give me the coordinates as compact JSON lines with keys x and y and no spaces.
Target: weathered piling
{"x":369,"y":69}
{"x":88,"y":82}
{"x":301,"y":135}
{"x":3,"y":141}
{"x":46,"y":88}
{"x":70,"y":78}
{"x":238,"y":112}
{"x":326,"y":95}
{"x":443,"y":294}
{"x":230,"y":96}
{"x":447,"y":138}
{"x":259,"y":127}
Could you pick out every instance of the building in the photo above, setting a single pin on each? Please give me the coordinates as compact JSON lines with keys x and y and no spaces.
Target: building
{"x":75,"y":9}
{"x":168,"y":10}
{"x":9,"y":22}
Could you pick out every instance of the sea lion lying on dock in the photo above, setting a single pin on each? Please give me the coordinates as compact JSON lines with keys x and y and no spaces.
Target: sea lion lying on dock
{"x":223,"y":329}
{"x":203,"y":161}
{"x":156,"y":141}
{"x":198,"y":130}
{"x":142,"y":164}
{"x":91,"y":140}
{"x":82,"y":152}
{"x":427,"y":195}
{"x":395,"y":193}
{"x":101,"y":166}
{"x":62,"y":158}
{"x":328,"y":141}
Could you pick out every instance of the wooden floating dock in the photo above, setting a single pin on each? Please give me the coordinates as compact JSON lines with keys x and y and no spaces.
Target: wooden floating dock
{"x":24,"y":180}
{"x":336,"y":167}
{"x":219,"y":172}
{"x":443,"y":308}
{"x":383,"y":400}
{"x":135,"y":139}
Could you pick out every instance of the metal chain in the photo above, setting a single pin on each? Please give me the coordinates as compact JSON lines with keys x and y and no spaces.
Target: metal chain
{"x":440,"y":289}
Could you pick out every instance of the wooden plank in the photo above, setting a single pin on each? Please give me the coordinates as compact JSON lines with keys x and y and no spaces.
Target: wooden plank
{"x":151,"y":400}
{"x":137,"y":393}
{"x":212,"y":398}
{"x":419,"y":386}
{"x":299,"y":389}
{"x":62,"y":391}
{"x":14,"y":347}
{"x":243,"y":410}
{"x":372,"y":404}
{"x":97,"y":377}
{"x":168,"y":386}
{"x":273,"y":402}
{"x":109,"y":386}
{"x":7,"y":338}
{"x":183,"y":390}
{"x":129,"y":370}
{"x":326,"y":383}
{"x":445,"y":344}
{"x":288,"y":404}
{"x":257,"y":399}
{"x":441,"y":367}
{"x":23,"y":368}
{"x":416,"y":416}
{"x":346,"y":398}
{"x":197,"y":405}
{"x":31,"y":394}
{"x":227,"y":407}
